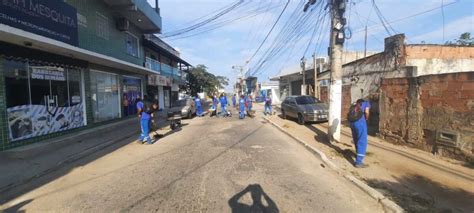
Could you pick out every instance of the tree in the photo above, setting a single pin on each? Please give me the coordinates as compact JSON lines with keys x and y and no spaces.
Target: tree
{"x":200,"y":80}
{"x":463,"y":40}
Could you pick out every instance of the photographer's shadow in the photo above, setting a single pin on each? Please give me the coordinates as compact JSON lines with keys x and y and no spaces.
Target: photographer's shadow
{"x":256,"y":192}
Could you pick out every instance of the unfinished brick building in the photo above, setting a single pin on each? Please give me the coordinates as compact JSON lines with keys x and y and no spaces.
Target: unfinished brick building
{"x":422,"y":95}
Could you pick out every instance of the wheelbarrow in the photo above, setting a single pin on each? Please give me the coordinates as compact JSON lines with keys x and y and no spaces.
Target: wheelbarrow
{"x":174,"y":118}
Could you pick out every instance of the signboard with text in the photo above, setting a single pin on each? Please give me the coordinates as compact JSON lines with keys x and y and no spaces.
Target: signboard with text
{"x":54,"y":19}
{"x":47,"y":73}
{"x":159,"y":80}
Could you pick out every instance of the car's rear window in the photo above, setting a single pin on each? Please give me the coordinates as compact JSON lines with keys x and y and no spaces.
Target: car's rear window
{"x":302,"y":100}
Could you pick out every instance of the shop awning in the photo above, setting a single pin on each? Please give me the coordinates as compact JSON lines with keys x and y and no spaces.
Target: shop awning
{"x":23,"y":38}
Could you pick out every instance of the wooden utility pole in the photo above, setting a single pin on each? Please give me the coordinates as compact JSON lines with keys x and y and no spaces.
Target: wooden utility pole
{"x":335,"y":90}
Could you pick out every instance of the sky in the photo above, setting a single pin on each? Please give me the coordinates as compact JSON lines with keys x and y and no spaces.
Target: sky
{"x":233,"y":44}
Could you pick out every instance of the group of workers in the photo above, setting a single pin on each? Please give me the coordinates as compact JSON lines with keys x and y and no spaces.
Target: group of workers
{"x":244,"y":104}
{"x":146,"y":111}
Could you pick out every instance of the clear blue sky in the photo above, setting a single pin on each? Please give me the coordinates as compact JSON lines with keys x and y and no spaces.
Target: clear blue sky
{"x":237,"y":41}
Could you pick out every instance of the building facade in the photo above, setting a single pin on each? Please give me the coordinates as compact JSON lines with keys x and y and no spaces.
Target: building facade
{"x":69,"y":65}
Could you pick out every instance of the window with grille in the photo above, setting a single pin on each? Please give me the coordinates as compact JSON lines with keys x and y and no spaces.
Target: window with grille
{"x":102,"y":26}
{"x":131,"y":43}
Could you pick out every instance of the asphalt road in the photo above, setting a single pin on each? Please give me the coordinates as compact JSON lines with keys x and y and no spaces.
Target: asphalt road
{"x":211,"y":165}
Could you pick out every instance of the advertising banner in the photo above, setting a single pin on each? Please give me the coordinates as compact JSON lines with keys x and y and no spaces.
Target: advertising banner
{"x":54,"y":19}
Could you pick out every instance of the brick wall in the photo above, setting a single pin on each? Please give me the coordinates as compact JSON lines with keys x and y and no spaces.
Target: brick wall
{"x":412,"y":110}
{"x":448,"y":104}
{"x":324,"y":94}
{"x":393,"y":104}
{"x":430,"y":51}
{"x":346,"y":98}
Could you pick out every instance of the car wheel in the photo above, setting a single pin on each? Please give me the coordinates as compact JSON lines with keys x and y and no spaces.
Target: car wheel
{"x":190,"y":115}
{"x":283,"y":114}
{"x":301,"y":119}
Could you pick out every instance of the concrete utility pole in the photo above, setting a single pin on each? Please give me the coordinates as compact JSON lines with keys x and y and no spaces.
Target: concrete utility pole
{"x":365,"y":42}
{"x":335,"y":90}
{"x":316,"y":80}
{"x":303,"y":67}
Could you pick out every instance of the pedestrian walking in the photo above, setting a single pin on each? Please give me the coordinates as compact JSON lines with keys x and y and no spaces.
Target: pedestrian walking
{"x":268,"y":105}
{"x":242,"y":107}
{"x":144,"y":113}
{"x":197,"y":102}
{"x":358,"y":116}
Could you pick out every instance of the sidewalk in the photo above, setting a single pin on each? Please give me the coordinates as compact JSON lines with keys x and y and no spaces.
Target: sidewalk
{"x":414,"y":179}
{"x":23,"y":164}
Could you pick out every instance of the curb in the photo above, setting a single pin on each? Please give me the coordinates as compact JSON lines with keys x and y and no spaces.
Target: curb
{"x":388,"y":204}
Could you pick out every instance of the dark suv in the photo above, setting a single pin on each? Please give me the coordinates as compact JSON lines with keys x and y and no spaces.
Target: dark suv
{"x":304,"y":108}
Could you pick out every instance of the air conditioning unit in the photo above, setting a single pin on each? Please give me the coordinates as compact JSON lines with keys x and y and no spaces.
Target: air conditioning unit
{"x":148,"y":65}
{"x":123,"y":24}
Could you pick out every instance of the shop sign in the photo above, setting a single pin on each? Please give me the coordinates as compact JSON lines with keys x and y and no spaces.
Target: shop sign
{"x":29,"y":121}
{"x":50,"y":18}
{"x":159,"y":80}
{"x":48,"y":73}
{"x":76,"y":99}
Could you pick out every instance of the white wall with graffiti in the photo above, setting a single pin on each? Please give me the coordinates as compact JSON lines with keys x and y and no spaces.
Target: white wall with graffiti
{"x":35,"y":120}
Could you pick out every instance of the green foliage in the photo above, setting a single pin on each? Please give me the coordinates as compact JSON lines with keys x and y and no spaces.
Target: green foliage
{"x":200,"y":80}
{"x":463,"y":40}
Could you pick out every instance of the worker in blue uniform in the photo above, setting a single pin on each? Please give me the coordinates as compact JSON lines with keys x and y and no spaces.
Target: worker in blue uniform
{"x":268,"y":105}
{"x":223,"y":101}
{"x":242,"y":107}
{"x":249,"y":103}
{"x":215,"y":102}
{"x":234,"y":101}
{"x":145,"y":115}
{"x":359,"y":132}
{"x":198,"y":104}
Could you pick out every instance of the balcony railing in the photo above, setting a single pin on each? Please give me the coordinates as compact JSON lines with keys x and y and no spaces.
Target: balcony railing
{"x":153,"y":65}
{"x":164,"y":69}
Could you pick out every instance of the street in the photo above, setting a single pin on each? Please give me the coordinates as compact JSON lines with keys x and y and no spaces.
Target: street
{"x":211,"y":165}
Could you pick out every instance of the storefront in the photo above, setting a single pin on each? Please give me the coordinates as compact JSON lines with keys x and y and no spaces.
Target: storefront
{"x":42,"y":97}
{"x":159,"y":87}
{"x":131,"y":90}
{"x":104,"y":95}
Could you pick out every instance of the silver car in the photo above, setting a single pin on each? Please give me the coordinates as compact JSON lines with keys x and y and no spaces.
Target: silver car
{"x":304,"y":108}
{"x":185,"y":106}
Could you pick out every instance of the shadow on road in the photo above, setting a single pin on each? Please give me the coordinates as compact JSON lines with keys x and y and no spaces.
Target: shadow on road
{"x":416,"y":193}
{"x":256,"y":193}
{"x":170,"y":132}
{"x":322,"y":137}
{"x":52,"y":174}
{"x":16,"y":208}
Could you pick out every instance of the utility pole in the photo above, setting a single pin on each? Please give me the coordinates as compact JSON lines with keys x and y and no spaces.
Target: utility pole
{"x":335,"y":90}
{"x":365,"y":42}
{"x":316,"y":80}
{"x":303,"y":67}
